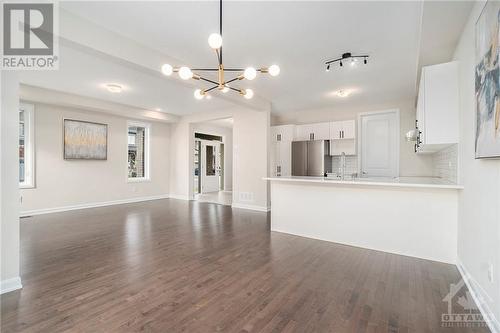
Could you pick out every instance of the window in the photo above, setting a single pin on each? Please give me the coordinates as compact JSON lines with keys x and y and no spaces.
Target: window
{"x":138,"y":151}
{"x":210,"y":156}
{"x":26,"y":146}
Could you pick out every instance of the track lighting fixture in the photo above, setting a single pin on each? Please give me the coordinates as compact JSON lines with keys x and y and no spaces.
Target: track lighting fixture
{"x":345,"y":57}
{"x":215,"y":42}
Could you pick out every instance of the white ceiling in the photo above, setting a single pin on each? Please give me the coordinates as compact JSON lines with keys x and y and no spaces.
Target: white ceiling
{"x":299,"y":36}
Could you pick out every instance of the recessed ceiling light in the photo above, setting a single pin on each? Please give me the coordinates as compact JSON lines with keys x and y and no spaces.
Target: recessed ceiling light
{"x":343,"y":92}
{"x":114,"y":88}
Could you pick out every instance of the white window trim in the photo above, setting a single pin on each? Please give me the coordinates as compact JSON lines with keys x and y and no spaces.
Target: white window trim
{"x":147,"y":136}
{"x":29,"y":145}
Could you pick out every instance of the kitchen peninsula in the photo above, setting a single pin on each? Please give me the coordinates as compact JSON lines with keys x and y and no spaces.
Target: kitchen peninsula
{"x":411,"y":216}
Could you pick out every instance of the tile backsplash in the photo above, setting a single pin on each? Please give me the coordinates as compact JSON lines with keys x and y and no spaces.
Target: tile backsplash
{"x":446,"y":163}
{"x":351,"y":164}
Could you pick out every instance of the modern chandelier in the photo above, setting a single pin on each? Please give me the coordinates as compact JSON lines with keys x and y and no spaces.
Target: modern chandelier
{"x":223,"y":85}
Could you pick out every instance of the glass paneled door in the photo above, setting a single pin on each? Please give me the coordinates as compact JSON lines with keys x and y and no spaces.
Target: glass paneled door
{"x":210,"y":167}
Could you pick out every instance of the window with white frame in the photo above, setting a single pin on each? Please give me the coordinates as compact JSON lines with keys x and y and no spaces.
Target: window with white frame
{"x":138,"y":151}
{"x":26,"y":146}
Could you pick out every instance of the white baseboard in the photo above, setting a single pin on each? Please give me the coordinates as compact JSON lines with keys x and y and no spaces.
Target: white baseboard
{"x":475,"y":292}
{"x":91,"y":205}
{"x":10,"y":285}
{"x":180,"y":197}
{"x":251,"y":207}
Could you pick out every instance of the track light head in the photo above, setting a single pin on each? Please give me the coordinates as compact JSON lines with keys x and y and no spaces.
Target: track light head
{"x":365,"y":61}
{"x":341,"y":63}
{"x":328,"y":67}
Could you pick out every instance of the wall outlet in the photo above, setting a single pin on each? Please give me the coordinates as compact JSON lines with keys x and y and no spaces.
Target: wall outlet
{"x":491,"y":273}
{"x":246,"y":197}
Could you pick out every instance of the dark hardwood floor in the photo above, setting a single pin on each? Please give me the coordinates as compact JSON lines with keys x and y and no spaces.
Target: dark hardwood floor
{"x":177,"y":266}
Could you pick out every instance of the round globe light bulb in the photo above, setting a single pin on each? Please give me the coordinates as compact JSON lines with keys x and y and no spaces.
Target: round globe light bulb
{"x":274,"y":70}
{"x":250,"y":73}
{"x":225,"y":89}
{"x":198,"y":94}
{"x":215,"y":41}
{"x":167,"y":69}
{"x":185,"y":73}
{"x":248,"y":93}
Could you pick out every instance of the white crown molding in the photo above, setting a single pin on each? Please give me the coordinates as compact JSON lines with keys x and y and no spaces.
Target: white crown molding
{"x":91,"y":205}
{"x":10,"y":285}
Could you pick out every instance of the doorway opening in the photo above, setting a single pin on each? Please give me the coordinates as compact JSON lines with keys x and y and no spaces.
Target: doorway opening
{"x":209,"y":168}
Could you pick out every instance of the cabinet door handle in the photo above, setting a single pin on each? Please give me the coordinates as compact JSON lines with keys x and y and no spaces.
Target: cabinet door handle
{"x":311,"y":136}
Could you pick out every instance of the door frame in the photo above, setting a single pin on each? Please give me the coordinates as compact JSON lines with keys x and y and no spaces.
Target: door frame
{"x":360,"y":134}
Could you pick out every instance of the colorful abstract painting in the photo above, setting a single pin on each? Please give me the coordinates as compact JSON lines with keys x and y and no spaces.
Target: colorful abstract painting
{"x":487,"y":77}
{"x":85,"y":140}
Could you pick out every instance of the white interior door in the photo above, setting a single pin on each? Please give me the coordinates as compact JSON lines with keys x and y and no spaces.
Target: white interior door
{"x":210,"y":161}
{"x":380,"y":144}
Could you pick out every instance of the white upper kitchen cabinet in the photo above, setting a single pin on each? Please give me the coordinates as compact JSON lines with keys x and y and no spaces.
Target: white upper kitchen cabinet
{"x":349,"y":129}
{"x":282,"y":133}
{"x":317,"y":131}
{"x":343,"y":130}
{"x":437,"y":107}
{"x":343,"y":137}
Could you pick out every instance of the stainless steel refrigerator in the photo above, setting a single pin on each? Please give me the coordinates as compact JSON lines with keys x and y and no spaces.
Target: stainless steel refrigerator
{"x":311,"y":158}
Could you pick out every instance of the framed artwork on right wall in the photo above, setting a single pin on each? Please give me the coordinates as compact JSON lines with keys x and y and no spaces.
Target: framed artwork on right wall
{"x":487,"y":82}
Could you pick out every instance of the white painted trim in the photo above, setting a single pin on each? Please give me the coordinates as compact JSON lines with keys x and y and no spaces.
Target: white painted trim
{"x":10,"y":285}
{"x":180,"y":197}
{"x":492,"y":322}
{"x":251,"y":207}
{"x":91,"y":205}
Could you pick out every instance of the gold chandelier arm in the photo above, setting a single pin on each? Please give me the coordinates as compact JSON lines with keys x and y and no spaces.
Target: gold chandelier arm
{"x":208,"y":80}
{"x":212,"y":88}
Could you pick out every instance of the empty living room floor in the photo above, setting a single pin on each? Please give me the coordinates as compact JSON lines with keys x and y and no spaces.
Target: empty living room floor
{"x":178,"y":266}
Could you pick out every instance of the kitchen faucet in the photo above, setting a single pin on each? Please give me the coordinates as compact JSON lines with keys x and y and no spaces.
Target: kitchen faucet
{"x":342,"y":166}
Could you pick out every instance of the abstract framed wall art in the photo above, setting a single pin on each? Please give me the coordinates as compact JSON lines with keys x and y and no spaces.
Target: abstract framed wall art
{"x":487,"y":82}
{"x":85,"y":140}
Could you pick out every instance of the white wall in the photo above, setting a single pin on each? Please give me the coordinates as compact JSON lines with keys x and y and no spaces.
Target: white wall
{"x":180,"y":161}
{"x":479,"y":202}
{"x":9,"y":182}
{"x":410,"y":164}
{"x":227,"y":138}
{"x":251,"y":137}
{"x":63,"y":183}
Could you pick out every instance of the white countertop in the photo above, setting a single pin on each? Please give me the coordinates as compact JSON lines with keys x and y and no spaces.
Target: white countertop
{"x":422,"y":182}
